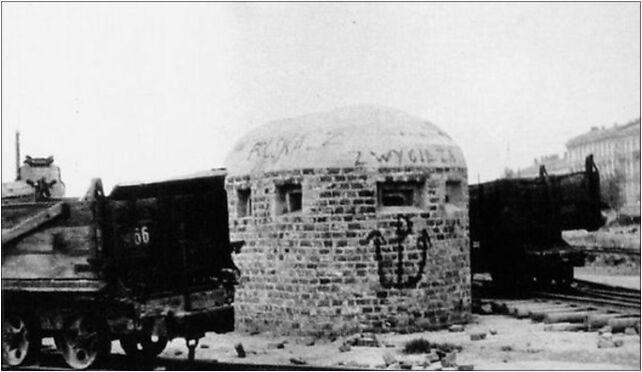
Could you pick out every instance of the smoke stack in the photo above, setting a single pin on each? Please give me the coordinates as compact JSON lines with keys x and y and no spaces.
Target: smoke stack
{"x":17,"y":155}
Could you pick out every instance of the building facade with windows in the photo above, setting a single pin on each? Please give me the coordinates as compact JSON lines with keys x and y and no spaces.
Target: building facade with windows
{"x":354,"y":219}
{"x":554,"y":164}
{"x":616,"y":151}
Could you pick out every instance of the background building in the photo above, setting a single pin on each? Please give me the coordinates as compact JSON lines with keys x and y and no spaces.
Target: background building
{"x":554,"y":165}
{"x":616,"y":152}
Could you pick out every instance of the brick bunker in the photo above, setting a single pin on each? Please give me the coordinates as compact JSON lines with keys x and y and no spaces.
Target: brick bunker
{"x":354,"y":219}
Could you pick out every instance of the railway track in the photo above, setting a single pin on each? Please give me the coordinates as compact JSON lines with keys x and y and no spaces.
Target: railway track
{"x":596,"y":294}
{"x":584,"y":306}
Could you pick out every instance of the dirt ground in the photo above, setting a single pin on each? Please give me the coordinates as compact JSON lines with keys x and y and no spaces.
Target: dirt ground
{"x":517,"y":345}
{"x":608,"y":276}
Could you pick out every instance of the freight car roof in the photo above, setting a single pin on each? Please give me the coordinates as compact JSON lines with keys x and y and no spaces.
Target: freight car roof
{"x":202,"y":179}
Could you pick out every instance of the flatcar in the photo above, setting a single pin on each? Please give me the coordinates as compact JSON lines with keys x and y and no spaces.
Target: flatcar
{"x":148,"y":263}
{"x":516,"y":226}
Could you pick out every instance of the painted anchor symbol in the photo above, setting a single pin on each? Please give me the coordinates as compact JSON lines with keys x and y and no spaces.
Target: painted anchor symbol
{"x":403,"y":229}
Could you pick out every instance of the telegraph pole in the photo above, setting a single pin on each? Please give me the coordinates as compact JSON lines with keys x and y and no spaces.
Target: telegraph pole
{"x":17,"y":155}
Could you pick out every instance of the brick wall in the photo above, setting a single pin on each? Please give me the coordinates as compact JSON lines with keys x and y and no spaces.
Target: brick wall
{"x":332,"y":268}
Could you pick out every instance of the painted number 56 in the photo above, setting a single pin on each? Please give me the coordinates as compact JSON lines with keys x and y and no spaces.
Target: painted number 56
{"x":141,"y":235}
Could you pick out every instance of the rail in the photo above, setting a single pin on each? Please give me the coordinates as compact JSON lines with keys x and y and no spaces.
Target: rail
{"x":603,"y":295}
{"x":52,"y":361}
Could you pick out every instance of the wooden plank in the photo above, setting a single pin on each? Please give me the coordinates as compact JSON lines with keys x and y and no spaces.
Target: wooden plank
{"x":46,"y":266}
{"x":13,"y":214}
{"x":56,"y":240}
{"x":34,"y":222}
{"x":568,"y":317}
{"x":532,"y":312}
{"x":540,"y":315}
{"x":597,"y":321}
{"x":565,"y":327}
{"x":524,"y":310}
{"x":53,"y":285}
{"x":620,"y":324}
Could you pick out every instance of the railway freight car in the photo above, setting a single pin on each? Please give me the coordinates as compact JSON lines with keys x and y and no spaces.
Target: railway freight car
{"x":148,"y":263}
{"x":516,"y":226}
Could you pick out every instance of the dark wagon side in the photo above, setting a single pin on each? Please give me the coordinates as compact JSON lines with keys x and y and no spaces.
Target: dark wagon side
{"x":516,"y":225}
{"x":148,"y":263}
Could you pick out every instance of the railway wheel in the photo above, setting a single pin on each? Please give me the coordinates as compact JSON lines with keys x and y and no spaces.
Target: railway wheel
{"x":143,"y":345}
{"x":564,"y":276}
{"x":83,"y":341}
{"x":20,"y":340}
{"x":544,"y":280}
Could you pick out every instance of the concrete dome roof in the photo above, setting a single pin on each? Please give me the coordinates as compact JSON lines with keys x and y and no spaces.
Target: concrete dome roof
{"x":368,"y":137}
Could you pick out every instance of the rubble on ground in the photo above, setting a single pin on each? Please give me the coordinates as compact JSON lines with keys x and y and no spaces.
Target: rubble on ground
{"x":477,"y":336}
{"x":298,"y":361}
{"x":363,"y":339}
{"x":240,"y":351}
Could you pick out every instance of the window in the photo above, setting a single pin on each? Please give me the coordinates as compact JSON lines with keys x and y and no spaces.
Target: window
{"x":288,"y":199}
{"x":399,"y":194}
{"x":244,"y":202}
{"x":455,"y":193}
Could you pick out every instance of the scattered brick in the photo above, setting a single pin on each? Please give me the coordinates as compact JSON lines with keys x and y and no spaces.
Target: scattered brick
{"x":603,"y":330}
{"x":618,"y":343}
{"x":450,"y":360}
{"x":354,"y":364}
{"x":405,"y":364}
{"x":630,"y":331}
{"x":432,"y":356}
{"x":477,"y":336}
{"x":298,"y":361}
{"x":310,"y":342}
{"x":240,"y":351}
{"x":276,"y":345}
{"x":389,"y":359}
{"x":486,"y":308}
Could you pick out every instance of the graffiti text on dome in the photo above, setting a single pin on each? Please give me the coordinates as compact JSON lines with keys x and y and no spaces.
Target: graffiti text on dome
{"x":400,"y":156}
{"x":275,"y":148}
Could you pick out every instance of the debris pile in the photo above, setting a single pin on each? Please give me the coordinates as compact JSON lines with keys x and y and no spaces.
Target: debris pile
{"x":363,"y":339}
{"x":606,"y":340}
{"x":435,"y":355}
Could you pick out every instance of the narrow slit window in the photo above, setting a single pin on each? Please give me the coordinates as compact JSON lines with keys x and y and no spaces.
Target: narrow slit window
{"x":399,"y":194}
{"x":244,"y":202}
{"x":455,"y":193}
{"x":288,"y":199}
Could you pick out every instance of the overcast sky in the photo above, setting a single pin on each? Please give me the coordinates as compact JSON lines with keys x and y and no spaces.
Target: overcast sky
{"x":140,"y":91}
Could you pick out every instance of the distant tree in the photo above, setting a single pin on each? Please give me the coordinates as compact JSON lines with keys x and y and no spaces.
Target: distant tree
{"x":509,"y":173}
{"x":612,"y":190}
